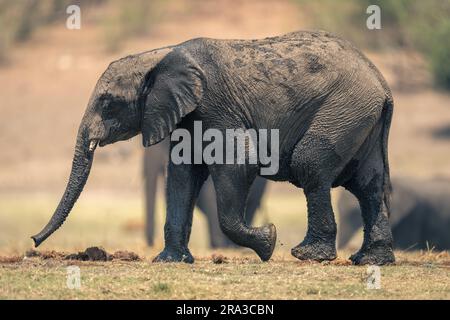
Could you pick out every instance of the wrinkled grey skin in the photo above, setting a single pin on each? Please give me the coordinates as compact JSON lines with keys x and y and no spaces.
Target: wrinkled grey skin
{"x":155,"y":164}
{"x":420,"y":214}
{"x":331,"y":105}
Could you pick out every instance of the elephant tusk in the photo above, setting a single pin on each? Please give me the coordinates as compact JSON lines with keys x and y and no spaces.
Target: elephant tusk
{"x":93,"y":145}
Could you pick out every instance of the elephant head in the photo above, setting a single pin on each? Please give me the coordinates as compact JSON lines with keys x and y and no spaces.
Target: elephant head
{"x":147,"y":93}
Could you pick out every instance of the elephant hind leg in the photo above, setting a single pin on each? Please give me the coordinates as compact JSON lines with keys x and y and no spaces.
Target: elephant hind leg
{"x":232,"y":184}
{"x":313,"y":167}
{"x":368,"y":186}
{"x":320,"y":240}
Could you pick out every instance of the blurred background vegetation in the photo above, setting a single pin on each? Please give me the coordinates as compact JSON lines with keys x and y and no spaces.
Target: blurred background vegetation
{"x":421,"y":25}
{"x":18,"y":20}
{"x":48,"y":72}
{"x":406,"y":24}
{"x":121,"y":19}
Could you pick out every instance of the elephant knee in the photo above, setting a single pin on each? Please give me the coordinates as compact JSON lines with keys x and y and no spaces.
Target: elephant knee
{"x":227,"y":228}
{"x":232,"y":230}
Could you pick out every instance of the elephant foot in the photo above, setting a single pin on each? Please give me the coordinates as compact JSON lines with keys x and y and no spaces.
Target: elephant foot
{"x":315,"y":250}
{"x":172,"y":255}
{"x":266,"y":242}
{"x":375,"y":254}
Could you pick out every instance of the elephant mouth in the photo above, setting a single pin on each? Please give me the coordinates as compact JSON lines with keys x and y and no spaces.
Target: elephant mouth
{"x":114,"y":136}
{"x":103,"y":142}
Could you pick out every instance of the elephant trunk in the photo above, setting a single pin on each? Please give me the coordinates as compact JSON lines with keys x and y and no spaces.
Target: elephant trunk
{"x":81,"y":166}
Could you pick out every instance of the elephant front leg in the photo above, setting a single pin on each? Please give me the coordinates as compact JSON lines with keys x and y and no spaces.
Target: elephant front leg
{"x":183,"y":184}
{"x":320,"y":241}
{"x":232,"y":184}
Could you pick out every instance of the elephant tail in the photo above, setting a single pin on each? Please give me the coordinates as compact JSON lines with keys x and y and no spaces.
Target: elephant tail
{"x":388,"y":109}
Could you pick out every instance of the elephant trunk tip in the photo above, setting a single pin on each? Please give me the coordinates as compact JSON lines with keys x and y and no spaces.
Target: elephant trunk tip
{"x":37,"y":240}
{"x":46,"y":232}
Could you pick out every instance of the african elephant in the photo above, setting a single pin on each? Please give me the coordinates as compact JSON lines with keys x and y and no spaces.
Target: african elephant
{"x":420,"y":214}
{"x":327,"y":105}
{"x":155,"y":163}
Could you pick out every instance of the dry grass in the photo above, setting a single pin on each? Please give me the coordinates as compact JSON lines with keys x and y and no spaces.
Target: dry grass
{"x":416,"y":276}
{"x":225,"y":274}
{"x":56,"y":90}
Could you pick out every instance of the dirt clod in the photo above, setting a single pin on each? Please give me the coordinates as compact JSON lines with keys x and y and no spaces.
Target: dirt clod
{"x":32,"y":253}
{"x":44,"y":254}
{"x":52,"y":255}
{"x":12,"y":259}
{"x":125,"y":256}
{"x":341,"y":262}
{"x":219,"y":259}
{"x":90,"y":254}
{"x":96,"y":254}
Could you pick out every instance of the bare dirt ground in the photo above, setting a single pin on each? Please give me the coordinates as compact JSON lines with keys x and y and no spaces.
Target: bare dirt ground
{"x":43,"y":93}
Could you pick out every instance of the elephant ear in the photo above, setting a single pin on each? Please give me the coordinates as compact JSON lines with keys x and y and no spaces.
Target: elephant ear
{"x":174,"y":88}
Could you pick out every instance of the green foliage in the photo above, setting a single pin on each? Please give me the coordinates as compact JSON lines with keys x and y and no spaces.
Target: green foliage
{"x":121,"y":20}
{"x":129,"y":19}
{"x":423,"y":25}
{"x":340,"y":17}
{"x":438,"y":53}
{"x":19,"y":19}
{"x":410,"y":24}
{"x":161,"y":287}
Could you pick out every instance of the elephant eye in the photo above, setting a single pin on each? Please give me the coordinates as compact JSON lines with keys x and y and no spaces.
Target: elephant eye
{"x":112,"y":110}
